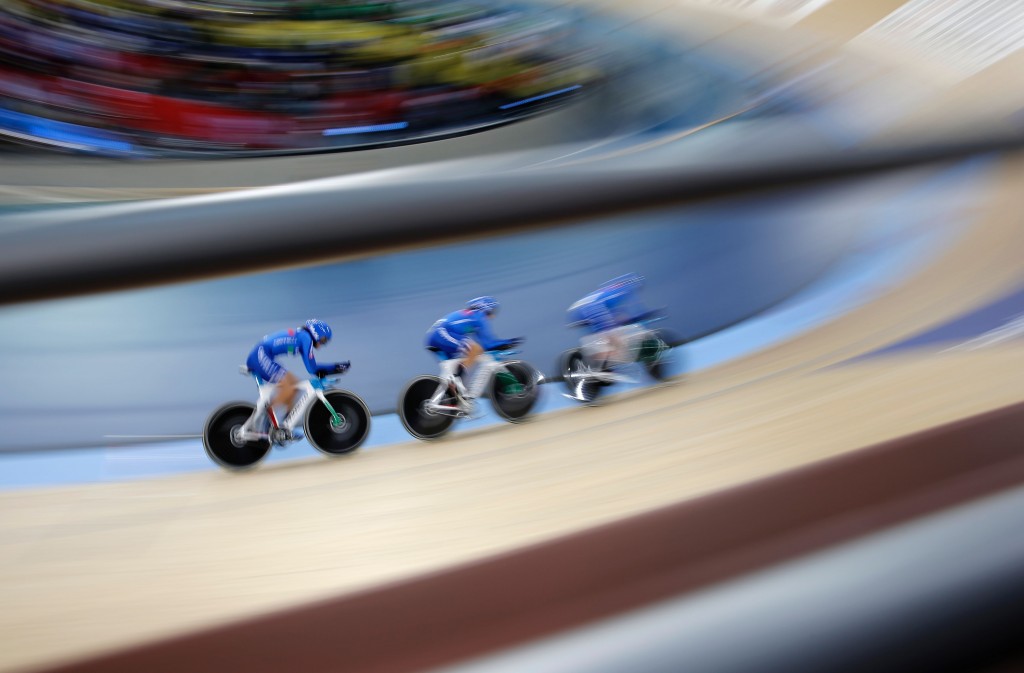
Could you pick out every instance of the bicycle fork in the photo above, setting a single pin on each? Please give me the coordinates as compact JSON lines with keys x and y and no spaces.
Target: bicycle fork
{"x":250,"y":430}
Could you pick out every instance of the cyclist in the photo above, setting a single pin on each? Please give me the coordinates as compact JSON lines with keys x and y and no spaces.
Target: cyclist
{"x":609,"y":315}
{"x":302,"y":340}
{"x":459,"y":338}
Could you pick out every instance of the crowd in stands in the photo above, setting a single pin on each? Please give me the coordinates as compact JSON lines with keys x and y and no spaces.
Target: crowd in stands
{"x":164,"y":76}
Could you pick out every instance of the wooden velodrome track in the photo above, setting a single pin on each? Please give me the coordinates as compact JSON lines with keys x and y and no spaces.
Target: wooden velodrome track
{"x":93,"y":569}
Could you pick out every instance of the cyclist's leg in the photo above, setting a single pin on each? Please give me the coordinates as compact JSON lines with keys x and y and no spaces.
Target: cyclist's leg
{"x":481,"y":372}
{"x":285,"y":383}
{"x":597,"y":348}
{"x":472,"y":351}
{"x":287,"y":388}
{"x":452,"y":350}
{"x":624,"y":340}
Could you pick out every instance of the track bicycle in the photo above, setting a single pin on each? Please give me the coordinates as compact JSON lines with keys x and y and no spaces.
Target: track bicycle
{"x":585,"y":376}
{"x":429,"y":405}
{"x":238,"y":435}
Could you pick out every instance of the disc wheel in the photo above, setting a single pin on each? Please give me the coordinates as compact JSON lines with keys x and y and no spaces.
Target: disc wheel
{"x":223,"y":443}
{"x":660,"y":364}
{"x":576,"y":376}
{"x":417,"y":419}
{"x":514,"y":395}
{"x":337,"y":439}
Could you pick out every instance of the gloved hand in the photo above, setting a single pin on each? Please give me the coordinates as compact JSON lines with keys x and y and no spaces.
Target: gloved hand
{"x":512,"y":343}
{"x":342,"y":367}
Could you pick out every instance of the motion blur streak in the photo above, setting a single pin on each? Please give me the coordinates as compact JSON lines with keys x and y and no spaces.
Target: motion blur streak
{"x":711,"y":266}
{"x":789,"y":450}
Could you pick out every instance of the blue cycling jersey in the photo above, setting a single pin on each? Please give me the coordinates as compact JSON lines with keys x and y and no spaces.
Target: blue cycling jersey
{"x":606,"y":308}
{"x":287,"y":342}
{"x":460,"y":326}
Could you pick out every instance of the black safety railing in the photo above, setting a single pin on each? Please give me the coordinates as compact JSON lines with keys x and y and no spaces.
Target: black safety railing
{"x":64,"y":252}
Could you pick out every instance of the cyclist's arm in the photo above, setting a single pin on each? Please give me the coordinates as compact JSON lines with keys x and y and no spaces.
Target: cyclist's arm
{"x":483,"y":335}
{"x":627,"y":308}
{"x":308,"y":359}
{"x":598,"y":315}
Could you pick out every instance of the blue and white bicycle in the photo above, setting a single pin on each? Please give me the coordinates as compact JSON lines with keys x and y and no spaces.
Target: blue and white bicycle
{"x":238,"y":435}
{"x":606,"y":358}
{"x":429,"y":405}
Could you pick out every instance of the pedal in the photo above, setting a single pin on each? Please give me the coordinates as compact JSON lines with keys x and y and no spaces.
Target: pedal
{"x":443,"y":409}
{"x":282,"y":436}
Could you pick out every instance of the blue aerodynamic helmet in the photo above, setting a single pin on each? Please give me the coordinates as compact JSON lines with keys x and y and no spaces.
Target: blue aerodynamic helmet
{"x":486,"y":304}
{"x":318,"y":329}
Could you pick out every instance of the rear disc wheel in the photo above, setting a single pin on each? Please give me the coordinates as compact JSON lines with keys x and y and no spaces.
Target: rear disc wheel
{"x":223,"y":441}
{"x":576,"y":376}
{"x":413,"y":411}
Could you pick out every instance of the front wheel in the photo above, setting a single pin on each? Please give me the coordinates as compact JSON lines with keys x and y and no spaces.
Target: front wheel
{"x":336,"y":438}
{"x":576,"y":375}
{"x":657,"y":358}
{"x":222,"y":438}
{"x":514,"y":390}
{"x":418,"y":419}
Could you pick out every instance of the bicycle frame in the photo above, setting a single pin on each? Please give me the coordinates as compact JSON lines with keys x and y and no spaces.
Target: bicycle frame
{"x":488,"y":364}
{"x":309,"y":391}
{"x":630,"y":334}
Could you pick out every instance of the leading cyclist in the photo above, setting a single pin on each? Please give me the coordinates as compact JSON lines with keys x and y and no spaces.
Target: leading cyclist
{"x":262,"y":360}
